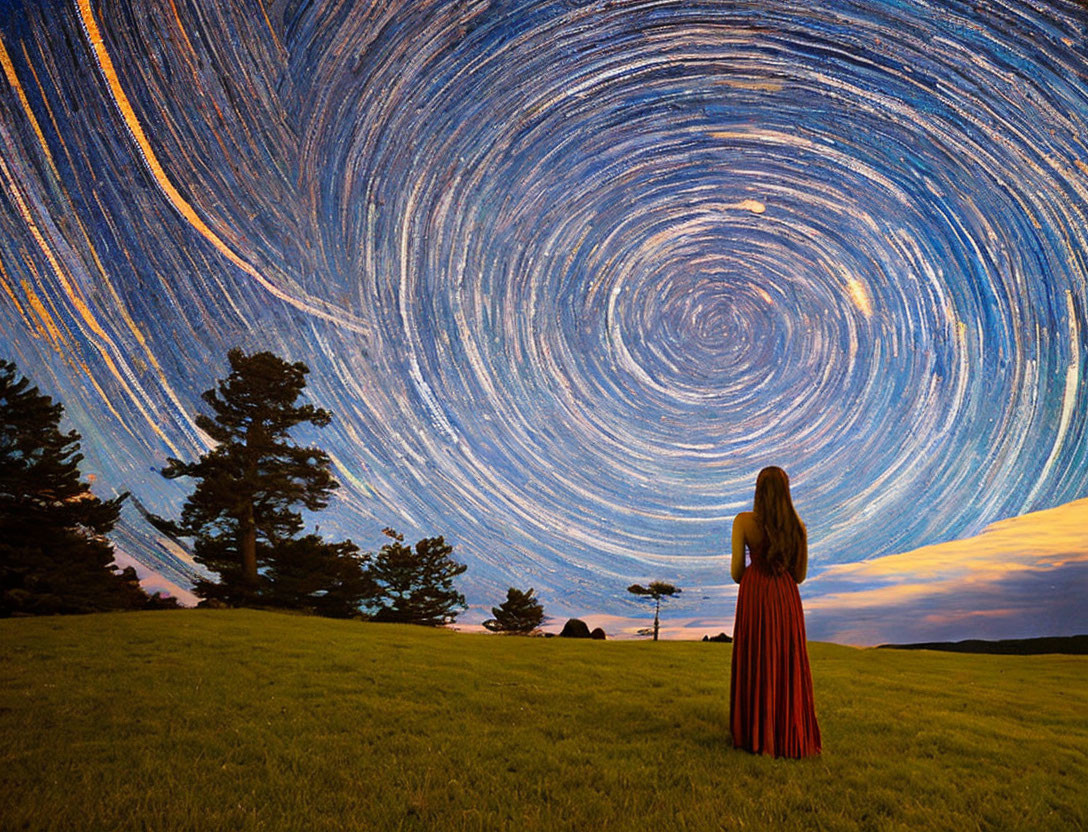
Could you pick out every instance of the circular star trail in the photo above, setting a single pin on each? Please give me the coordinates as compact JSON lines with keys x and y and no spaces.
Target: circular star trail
{"x":569,"y":274}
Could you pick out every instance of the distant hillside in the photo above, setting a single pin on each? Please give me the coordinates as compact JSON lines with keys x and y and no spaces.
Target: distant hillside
{"x":1073,"y":645}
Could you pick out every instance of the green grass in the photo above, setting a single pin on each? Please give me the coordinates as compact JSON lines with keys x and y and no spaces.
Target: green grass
{"x":209,"y":720}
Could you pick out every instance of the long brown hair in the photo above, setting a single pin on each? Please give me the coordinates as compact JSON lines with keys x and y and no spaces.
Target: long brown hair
{"x":775,"y":512}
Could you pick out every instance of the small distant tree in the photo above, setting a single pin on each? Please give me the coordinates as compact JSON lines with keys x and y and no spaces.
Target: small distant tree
{"x":242,"y":514}
{"x":415,"y":586}
{"x":520,"y":613}
{"x":656,"y":590}
{"x":55,"y":556}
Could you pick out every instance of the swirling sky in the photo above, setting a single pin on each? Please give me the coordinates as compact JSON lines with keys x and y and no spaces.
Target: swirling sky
{"x":569,"y":274}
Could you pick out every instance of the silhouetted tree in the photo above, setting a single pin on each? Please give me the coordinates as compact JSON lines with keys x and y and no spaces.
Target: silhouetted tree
{"x":327,"y":579}
{"x":242,"y":516}
{"x":656,"y":590}
{"x":415,"y":586}
{"x":54,"y":553}
{"x":519,"y":613}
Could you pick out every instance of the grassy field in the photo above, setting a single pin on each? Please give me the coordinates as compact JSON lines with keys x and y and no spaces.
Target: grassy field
{"x":209,"y":720}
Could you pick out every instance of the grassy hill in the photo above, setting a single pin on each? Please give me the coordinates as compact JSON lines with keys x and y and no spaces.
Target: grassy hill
{"x":207,"y":720}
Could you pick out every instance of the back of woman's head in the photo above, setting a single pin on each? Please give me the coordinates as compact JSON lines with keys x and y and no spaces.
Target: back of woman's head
{"x":774,"y":510}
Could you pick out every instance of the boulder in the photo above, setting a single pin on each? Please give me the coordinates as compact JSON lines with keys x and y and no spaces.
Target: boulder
{"x":575,"y":628}
{"x":719,"y":637}
{"x":598,"y":634}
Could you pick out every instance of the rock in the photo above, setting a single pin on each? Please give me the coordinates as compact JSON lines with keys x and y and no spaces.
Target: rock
{"x":575,"y":628}
{"x":598,"y":634}
{"x":719,"y":637}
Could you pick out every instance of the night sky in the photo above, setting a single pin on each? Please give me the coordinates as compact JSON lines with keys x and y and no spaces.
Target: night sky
{"x":568,"y":274}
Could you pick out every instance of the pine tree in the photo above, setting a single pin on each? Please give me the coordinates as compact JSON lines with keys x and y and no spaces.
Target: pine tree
{"x":54,"y":553}
{"x":656,"y":590}
{"x":519,"y":613}
{"x":242,"y":516}
{"x":324,"y":578}
{"x":415,"y":586}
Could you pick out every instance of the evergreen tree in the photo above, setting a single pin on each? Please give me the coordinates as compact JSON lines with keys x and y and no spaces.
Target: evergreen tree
{"x":324,"y":578}
{"x":54,"y":553}
{"x":415,"y":586}
{"x":519,"y":613}
{"x":656,"y":590}
{"x":242,"y":516}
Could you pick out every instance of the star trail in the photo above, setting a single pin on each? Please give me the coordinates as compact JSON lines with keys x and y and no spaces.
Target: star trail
{"x":568,"y":274}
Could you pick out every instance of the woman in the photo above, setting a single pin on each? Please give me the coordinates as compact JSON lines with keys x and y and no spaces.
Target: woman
{"x":771,"y":709}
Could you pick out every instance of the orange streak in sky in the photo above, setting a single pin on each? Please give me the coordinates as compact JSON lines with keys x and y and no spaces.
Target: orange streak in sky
{"x":52,"y":333}
{"x":268,"y":22}
{"x":48,"y":327}
{"x":105,"y":63}
{"x":5,"y":278}
{"x":81,"y":306}
{"x":184,"y":34}
{"x":13,"y":79}
{"x":137,"y":131}
{"x":43,"y":244}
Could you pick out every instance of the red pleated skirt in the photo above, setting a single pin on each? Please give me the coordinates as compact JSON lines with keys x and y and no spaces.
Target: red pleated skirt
{"x":772,"y":710}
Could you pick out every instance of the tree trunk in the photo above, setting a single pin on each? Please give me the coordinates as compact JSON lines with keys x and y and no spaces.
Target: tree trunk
{"x":248,"y":534}
{"x":247,"y":530}
{"x":657,"y":620}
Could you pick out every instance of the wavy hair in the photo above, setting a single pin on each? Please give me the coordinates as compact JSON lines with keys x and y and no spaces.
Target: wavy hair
{"x":775,"y":512}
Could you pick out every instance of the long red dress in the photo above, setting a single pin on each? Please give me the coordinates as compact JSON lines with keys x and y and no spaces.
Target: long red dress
{"x":772,"y":710}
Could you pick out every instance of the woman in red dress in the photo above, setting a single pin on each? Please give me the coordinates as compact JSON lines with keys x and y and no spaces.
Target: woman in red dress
{"x":771,"y":706}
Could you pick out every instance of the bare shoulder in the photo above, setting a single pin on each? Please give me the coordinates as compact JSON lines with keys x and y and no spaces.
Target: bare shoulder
{"x":744,"y":519}
{"x":749,"y":527}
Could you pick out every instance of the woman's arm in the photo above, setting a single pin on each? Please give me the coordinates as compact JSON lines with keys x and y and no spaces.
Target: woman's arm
{"x":737,"y":564}
{"x":800,"y":569}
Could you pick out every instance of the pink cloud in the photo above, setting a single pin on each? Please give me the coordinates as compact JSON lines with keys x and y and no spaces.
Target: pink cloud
{"x":153,"y":581}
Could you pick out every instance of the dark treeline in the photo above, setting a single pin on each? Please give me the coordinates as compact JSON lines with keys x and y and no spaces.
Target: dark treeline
{"x":55,"y":556}
{"x":242,"y":521}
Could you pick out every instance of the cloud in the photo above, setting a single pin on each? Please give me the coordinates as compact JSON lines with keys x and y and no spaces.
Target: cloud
{"x":1021,"y":577}
{"x":153,"y":581}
